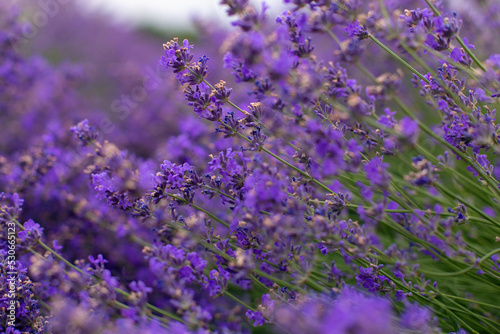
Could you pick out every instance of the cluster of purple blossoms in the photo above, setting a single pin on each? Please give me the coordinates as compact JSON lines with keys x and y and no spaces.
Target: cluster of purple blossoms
{"x":330,"y":170}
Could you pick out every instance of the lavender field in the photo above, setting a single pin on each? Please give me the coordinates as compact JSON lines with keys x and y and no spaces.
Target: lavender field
{"x":330,"y":169}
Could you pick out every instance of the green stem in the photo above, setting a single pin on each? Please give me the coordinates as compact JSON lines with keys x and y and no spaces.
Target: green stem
{"x":236,"y":299}
{"x":211,"y":215}
{"x":465,"y":270}
{"x":470,"y":301}
{"x":398,"y":58}
{"x":278,"y":281}
{"x":470,"y":205}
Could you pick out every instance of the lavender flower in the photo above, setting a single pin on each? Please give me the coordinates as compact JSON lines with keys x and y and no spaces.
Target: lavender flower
{"x":355,"y":29}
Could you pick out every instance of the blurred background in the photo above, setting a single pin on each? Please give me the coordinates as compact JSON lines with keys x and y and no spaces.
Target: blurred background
{"x":112,"y":46}
{"x":165,"y":13}
{"x":158,"y":13}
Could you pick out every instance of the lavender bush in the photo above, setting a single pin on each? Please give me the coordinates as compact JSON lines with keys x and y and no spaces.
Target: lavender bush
{"x":330,"y":170}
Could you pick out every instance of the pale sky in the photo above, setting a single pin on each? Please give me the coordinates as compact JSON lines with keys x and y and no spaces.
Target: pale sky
{"x":168,"y":12}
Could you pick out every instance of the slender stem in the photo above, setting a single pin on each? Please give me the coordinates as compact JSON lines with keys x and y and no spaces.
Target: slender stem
{"x":465,"y":270}
{"x":236,"y":299}
{"x":469,"y":52}
{"x":470,"y":301}
{"x":278,"y":281}
{"x":211,"y":215}
{"x":398,"y":58}
{"x":470,"y":205}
